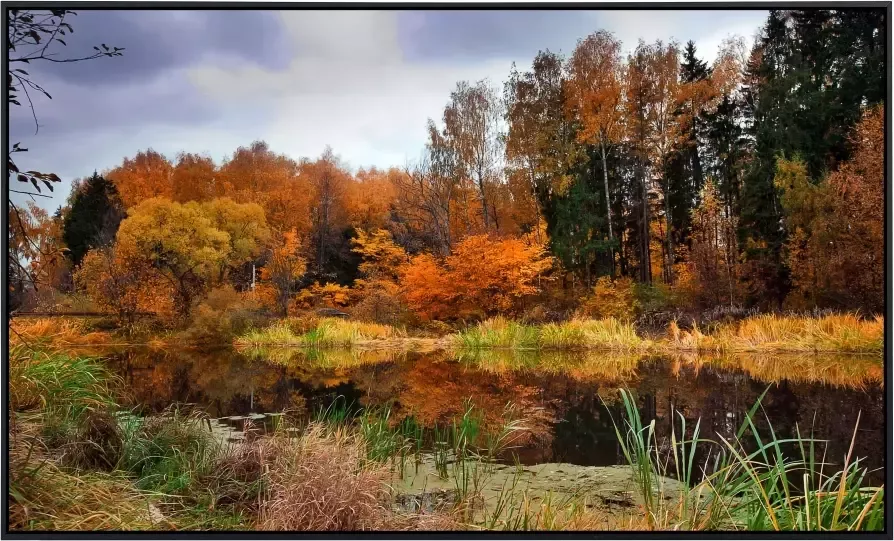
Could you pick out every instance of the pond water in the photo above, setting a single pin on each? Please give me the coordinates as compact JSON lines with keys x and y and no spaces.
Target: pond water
{"x":567,"y":399}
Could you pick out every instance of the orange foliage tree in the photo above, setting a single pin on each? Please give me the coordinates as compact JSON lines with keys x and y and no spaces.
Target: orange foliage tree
{"x":283,"y":270}
{"x":836,"y":226}
{"x":595,"y":93}
{"x":609,"y":298}
{"x":194,"y":178}
{"x":370,"y":198}
{"x":859,"y":246}
{"x":328,"y":295}
{"x":713,"y":257}
{"x":123,"y":285}
{"x":146,"y":175}
{"x":328,"y":181}
{"x":380,"y":272}
{"x":483,"y":276}
{"x":256,"y":174}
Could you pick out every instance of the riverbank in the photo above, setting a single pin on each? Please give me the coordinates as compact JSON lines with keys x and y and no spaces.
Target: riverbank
{"x":769,"y":333}
{"x":844,"y":333}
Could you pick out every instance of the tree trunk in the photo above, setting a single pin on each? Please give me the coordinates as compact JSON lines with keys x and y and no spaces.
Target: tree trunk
{"x":646,"y":270}
{"x":485,"y":215}
{"x":695,"y":161}
{"x":669,"y":270}
{"x":608,"y":206}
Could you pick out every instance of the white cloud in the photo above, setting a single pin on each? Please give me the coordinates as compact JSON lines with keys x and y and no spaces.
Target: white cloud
{"x":707,"y":28}
{"x":348,"y":86}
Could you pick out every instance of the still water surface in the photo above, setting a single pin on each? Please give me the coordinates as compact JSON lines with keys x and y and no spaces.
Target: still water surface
{"x":567,"y":399}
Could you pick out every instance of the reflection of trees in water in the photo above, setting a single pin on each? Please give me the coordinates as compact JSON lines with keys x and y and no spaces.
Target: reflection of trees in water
{"x":559,"y":395}
{"x":721,"y":399}
{"x":220,"y":381}
{"x":854,"y":371}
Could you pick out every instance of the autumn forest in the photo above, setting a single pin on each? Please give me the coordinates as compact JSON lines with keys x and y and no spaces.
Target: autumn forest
{"x":751,"y":181}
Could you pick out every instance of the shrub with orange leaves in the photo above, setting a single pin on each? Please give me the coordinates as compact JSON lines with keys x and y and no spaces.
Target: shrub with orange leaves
{"x":483,"y":276}
{"x":328,"y":295}
{"x":223,"y":314}
{"x":381,"y":256}
{"x":836,"y":244}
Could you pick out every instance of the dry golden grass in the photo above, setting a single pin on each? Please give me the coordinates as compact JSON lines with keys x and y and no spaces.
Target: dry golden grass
{"x":845,"y":333}
{"x":53,"y":499}
{"x":55,"y":331}
{"x":609,"y":334}
{"x":325,"y":332}
{"x":322,"y":482}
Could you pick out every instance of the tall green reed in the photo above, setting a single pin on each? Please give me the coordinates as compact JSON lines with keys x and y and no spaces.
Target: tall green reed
{"x":747,"y":483}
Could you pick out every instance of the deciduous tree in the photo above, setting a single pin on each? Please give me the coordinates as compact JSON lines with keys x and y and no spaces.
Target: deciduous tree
{"x":179,"y":242}
{"x":146,"y":175}
{"x":284,"y":268}
{"x":471,"y":123}
{"x":595,"y":95}
{"x":483,"y":276}
{"x":123,"y":285}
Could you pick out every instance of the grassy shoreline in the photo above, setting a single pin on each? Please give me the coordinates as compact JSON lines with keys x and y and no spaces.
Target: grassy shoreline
{"x":844,"y":333}
{"x":837,"y":333}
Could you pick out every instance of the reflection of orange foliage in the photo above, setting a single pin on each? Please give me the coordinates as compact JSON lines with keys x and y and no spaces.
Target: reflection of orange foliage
{"x":158,"y":379}
{"x":435,"y":392}
{"x":482,"y":275}
{"x":611,"y":368}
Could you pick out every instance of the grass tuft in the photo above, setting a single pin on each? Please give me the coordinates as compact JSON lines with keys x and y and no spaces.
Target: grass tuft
{"x":328,"y":332}
{"x":322,"y":481}
{"x":54,"y":331}
{"x":610,"y":333}
{"x":844,"y":333}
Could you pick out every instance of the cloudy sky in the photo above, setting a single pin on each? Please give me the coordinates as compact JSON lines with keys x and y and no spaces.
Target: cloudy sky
{"x":363,"y":82}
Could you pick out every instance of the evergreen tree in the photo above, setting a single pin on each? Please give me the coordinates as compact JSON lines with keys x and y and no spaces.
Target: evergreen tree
{"x":685,"y":167}
{"x":577,"y":224}
{"x":726,"y":150}
{"x":92,"y":219}
{"x":761,"y":233}
{"x":693,"y":70}
{"x":804,"y":95}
